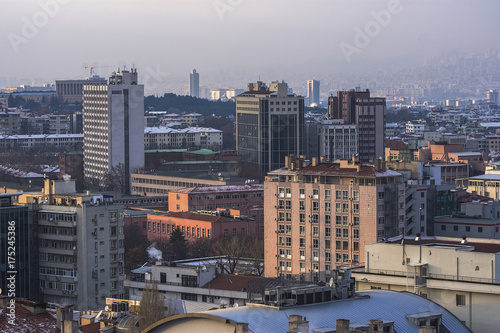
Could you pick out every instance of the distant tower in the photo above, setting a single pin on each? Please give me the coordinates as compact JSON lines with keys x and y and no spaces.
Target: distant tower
{"x":113,"y":127}
{"x":194,"y":84}
{"x":313,"y":91}
{"x":492,"y":97}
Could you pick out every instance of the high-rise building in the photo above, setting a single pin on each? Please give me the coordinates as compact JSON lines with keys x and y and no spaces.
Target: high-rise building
{"x":194,"y":84}
{"x":313,"y":92}
{"x":320,"y":216}
{"x":338,"y":141}
{"x":492,"y":97}
{"x":269,"y":125}
{"x":357,"y":107}
{"x":80,"y":245}
{"x":18,"y":270}
{"x":113,"y":127}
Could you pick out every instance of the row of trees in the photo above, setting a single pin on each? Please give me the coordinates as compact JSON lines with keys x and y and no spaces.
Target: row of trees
{"x":189,"y":104}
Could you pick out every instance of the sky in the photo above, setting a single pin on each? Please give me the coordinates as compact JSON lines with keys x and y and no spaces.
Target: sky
{"x":232,"y":42}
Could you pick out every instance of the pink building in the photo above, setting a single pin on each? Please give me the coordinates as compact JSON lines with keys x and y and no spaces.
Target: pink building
{"x":321,"y":216}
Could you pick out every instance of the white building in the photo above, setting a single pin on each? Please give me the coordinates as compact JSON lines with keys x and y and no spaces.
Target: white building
{"x":163,"y":137}
{"x":462,"y":276}
{"x":338,"y":141}
{"x":415,"y":127}
{"x":80,"y":248}
{"x":313,"y":92}
{"x":27,"y":142}
{"x":113,"y":125}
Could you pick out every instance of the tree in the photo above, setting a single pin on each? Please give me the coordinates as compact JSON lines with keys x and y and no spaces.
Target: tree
{"x":201,"y":247}
{"x":116,"y":178}
{"x":135,"y":247}
{"x":231,"y":250}
{"x":178,"y":245}
{"x":255,"y":249}
{"x":152,"y":307}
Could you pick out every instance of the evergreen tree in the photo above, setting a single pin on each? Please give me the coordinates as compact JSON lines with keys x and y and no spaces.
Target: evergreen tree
{"x":178,"y":245}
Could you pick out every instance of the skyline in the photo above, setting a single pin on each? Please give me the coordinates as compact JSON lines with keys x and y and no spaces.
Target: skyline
{"x":233,"y":42}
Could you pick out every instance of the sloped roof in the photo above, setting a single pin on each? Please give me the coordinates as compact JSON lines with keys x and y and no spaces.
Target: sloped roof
{"x":27,"y":322}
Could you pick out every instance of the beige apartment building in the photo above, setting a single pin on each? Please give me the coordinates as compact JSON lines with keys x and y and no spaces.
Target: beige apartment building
{"x":461,"y":275}
{"x":319,"y":217}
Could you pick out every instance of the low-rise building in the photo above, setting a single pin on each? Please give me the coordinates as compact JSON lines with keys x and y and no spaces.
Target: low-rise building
{"x":164,"y":137}
{"x":27,"y":142}
{"x":461,"y":275}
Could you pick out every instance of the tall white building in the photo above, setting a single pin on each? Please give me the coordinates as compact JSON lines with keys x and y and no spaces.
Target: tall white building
{"x":113,"y":126}
{"x":313,"y":91}
{"x":194,"y":84}
{"x":338,"y":141}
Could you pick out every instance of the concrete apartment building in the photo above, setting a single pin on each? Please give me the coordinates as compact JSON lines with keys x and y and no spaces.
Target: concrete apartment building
{"x":463,"y":276}
{"x":213,"y":197}
{"x":80,"y":250}
{"x":357,"y":107}
{"x":113,"y":126}
{"x":269,"y":125}
{"x":338,"y":141}
{"x":319,"y":217}
{"x":10,"y":123}
{"x":170,"y":138}
{"x":26,"y":142}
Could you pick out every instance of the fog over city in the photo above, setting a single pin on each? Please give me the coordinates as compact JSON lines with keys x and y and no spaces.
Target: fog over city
{"x":231,"y":42}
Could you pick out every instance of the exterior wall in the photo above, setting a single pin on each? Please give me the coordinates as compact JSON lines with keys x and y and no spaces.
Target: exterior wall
{"x":169,"y":138}
{"x":338,"y":141}
{"x":150,"y":184}
{"x":41,"y":141}
{"x":160,"y":227}
{"x":378,"y":218}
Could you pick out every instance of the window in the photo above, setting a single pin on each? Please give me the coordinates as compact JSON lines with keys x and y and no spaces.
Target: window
{"x":327,"y":206}
{"x":302,"y":193}
{"x":189,"y":280}
{"x":288,"y":204}
{"x":163,"y":277}
{"x":315,"y":231}
{"x":315,"y":243}
{"x":338,"y":232}
{"x":345,"y":233}
{"x":460,"y":300}
{"x":355,"y":233}
{"x":314,"y":218}
{"x":327,"y":219}
{"x":455,"y":228}
{"x":355,"y":220}
{"x":327,"y":244}
{"x":338,"y":257}
{"x":189,"y":297}
{"x":315,"y":205}
{"x":355,"y":195}
{"x":327,"y":194}
{"x":338,"y":219}
{"x":328,"y":231}
{"x":345,"y":195}
{"x":302,"y":230}
{"x":302,"y":217}
{"x":479,"y":229}
{"x":328,"y":256}
{"x":467,"y":228}
{"x":355,"y":208}
{"x":443,"y":226}
{"x":338,"y":208}
{"x":302,"y":242}
{"x":288,"y":241}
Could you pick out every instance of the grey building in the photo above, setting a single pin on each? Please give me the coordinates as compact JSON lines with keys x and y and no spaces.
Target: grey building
{"x":113,"y":126}
{"x":313,"y":92}
{"x":269,"y":125}
{"x":194,"y":84}
{"x":80,"y":250}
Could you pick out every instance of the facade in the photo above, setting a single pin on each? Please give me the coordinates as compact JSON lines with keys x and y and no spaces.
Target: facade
{"x":209,"y":225}
{"x":26,"y":142}
{"x":487,"y":185}
{"x":170,"y":138}
{"x":492,"y":97}
{"x":269,"y":125}
{"x":80,"y":249}
{"x":17,"y":244}
{"x":113,"y":126}
{"x":415,"y":127}
{"x":357,"y":107}
{"x":71,"y":91}
{"x":338,"y":141}
{"x":212,"y":197}
{"x":57,"y":124}
{"x":10,"y":123}
{"x":161,"y":182}
{"x":190,"y":282}
{"x":460,"y":275}
{"x":194,"y":84}
{"x":320,"y":217}
{"x":313,"y":92}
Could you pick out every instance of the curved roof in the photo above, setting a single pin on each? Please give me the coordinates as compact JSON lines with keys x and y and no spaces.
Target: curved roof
{"x":377,"y":304}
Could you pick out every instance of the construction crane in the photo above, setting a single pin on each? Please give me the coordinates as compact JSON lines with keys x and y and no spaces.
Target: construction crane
{"x":92,"y":68}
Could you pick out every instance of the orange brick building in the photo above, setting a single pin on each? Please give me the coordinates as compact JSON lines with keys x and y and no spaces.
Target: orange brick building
{"x":319,"y":217}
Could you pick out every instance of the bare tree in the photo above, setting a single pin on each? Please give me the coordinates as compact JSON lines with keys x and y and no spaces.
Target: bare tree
{"x":151,"y":309}
{"x":232,"y":250}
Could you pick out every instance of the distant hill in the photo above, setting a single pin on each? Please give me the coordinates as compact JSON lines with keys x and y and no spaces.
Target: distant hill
{"x":175,"y":103}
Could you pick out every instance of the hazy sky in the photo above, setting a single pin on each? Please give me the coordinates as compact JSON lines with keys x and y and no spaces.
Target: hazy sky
{"x":233,"y":40}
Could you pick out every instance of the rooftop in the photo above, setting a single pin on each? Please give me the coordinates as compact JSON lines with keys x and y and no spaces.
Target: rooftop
{"x":197,"y":152}
{"x":221,"y":188}
{"x":26,"y":321}
{"x":327,"y":169}
{"x":230,"y":282}
{"x":488,"y":176}
{"x":474,"y":244}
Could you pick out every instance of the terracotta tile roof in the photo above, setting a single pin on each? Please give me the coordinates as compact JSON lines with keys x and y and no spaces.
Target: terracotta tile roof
{"x":27,"y":322}
{"x":231,"y":282}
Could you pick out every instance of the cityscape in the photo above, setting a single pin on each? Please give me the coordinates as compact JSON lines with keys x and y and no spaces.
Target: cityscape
{"x":237,"y":166}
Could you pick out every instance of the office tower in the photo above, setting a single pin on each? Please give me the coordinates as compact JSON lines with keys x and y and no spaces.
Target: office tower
{"x":194,"y":84}
{"x":113,"y":128}
{"x":320,"y":216}
{"x":17,"y":245}
{"x":338,"y":141}
{"x":357,"y":107}
{"x":269,"y":125}
{"x":313,"y":92}
{"x":80,"y":245}
{"x":492,"y":96}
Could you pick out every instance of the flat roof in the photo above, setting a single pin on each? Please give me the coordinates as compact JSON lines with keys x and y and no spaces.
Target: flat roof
{"x":488,"y":176}
{"x":474,"y":245}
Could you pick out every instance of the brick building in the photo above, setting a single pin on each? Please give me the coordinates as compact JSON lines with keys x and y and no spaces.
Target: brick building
{"x":320,"y":216}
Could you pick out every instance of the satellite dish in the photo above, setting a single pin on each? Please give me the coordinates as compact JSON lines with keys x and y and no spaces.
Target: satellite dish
{"x":331,"y":282}
{"x":235,"y":305}
{"x":106,"y":308}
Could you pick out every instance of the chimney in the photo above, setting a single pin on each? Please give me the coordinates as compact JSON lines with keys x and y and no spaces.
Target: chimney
{"x":314,"y":161}
{"x":464,"y":239}
{"x":241,"y":328}
{"x":376,"y":326}
{"x":342,"y":326}
{"x":297,"y":325}
{"x":64,"y":318}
